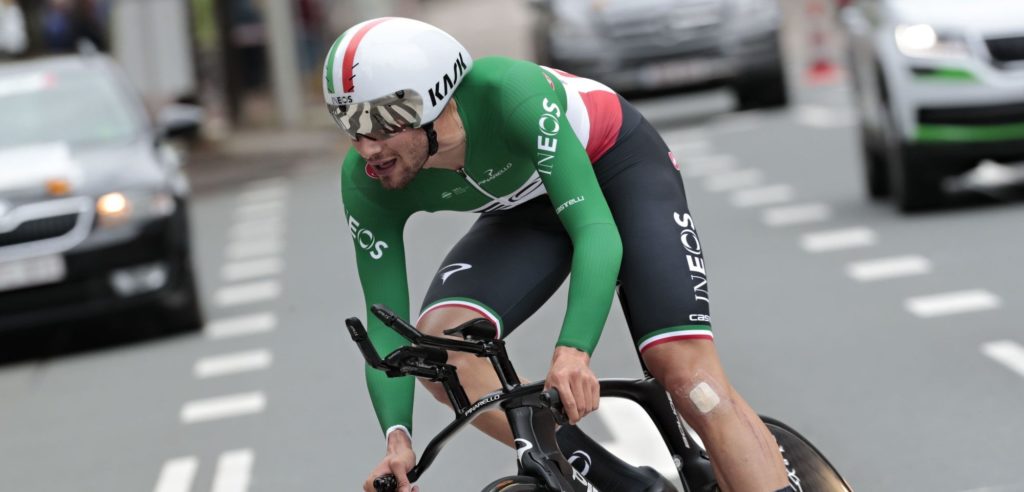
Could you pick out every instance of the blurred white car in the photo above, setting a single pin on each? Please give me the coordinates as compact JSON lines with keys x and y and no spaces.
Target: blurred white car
{"x":940,"y":87}
{"x":645,"y":45}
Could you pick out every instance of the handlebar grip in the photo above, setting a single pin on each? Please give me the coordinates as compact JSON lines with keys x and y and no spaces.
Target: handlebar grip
{"x":385,"y":483}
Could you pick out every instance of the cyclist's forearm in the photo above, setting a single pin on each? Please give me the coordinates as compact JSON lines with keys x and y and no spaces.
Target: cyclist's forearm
{"x":392,"y":399}
{"x":597,"y":254}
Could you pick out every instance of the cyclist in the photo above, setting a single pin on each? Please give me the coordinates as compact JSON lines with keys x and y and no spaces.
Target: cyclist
{"x":568,"y":178}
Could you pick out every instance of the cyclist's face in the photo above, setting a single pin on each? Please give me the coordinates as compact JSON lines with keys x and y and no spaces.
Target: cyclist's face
{"x":395,"y":159}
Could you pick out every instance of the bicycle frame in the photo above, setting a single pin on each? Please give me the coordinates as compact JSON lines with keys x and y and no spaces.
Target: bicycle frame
{"x":532,"y":412}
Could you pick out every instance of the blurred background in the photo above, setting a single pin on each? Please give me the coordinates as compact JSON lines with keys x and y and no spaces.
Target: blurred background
{"x":175,"y":267}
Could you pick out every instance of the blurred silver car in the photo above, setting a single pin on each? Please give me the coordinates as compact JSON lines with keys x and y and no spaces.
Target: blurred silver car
{"x":92,"y":199}
{"x":939,"y":86}
{"x":644,"y":45}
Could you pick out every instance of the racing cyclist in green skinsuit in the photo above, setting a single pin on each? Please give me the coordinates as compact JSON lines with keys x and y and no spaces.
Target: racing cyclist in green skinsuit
{"x":567,"y":178}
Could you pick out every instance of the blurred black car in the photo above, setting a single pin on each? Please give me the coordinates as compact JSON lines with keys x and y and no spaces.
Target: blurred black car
{"x":93,"y":217}
{"x":646,"y":45}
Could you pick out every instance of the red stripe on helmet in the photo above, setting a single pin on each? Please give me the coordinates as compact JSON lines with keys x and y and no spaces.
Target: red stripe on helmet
{"x":350,"y":54}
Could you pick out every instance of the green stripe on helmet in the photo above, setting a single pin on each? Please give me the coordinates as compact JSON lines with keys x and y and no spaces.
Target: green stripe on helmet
{"x":330,"y":62}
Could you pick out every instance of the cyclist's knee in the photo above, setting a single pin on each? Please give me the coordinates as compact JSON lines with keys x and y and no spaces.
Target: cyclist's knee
{"x":690,"y":371}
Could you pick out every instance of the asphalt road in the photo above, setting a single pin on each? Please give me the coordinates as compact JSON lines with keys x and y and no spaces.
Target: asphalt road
{"x":901,"y":389}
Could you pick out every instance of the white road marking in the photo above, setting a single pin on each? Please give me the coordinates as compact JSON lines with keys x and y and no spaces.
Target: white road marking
{"x":887,"y":268}
{"x":223,"y":407}
{"x":696,"y":167}
{"x":177,"y":475}
{"x":823,"y":117}
{"x":686,"y":148}
{"x":635,"y":439}
{"x":252,"y":248}
{"x":765,"y":195}
{"x":246,"y":270}
{"x":260,"y":227}
{"x":738,"y":122}
{"x":965,"y":301}
{"x":258,"y":291}
{"x":270,"y":208}
{"x":838,"y":239}
{"x":1014,"y":487}
{"x":733,"y":180}
{"x":234,"y":471}
{"x":264,"y":193}
{"x":277,"y":181}
{"x":1008,"y":353}
{"x":249,"y":324}
{"x":804,"y":213}
{"x":223,"y":365}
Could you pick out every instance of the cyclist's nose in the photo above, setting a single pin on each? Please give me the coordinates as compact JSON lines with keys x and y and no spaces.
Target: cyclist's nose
{"x":367,"y":148}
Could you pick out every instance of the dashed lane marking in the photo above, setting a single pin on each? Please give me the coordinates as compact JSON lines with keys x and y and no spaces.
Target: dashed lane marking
{"x":1007,"y":353}
{"x":964,"y":301}
{"x":888,"y":268}
{"x":823,"y":117}
{"x":247,"y":270}
{"x":695,"y":167}
{"x":177,"y":475}
{"x":234,"y":471}
{"x":237,"y":326}
{"x":248,"y":293}
{"x":264,"y":193}
{"x":733,"y":180}
{"x":223,"y":407}
{"x":235,"y":363}
{"x":259,"y":227}
{"x":243,"y":250}
{"x":765,"y":195}
{"x":838,"y":239}
{"x":803,"y":213}
{"x":259,"y":209}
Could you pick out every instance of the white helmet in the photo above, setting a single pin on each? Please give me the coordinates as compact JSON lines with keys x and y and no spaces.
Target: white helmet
{"x":390,"y":73}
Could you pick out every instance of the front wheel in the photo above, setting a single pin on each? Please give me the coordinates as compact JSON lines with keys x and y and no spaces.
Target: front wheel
{"x":515,"y":483}
{"x":808,"y":469}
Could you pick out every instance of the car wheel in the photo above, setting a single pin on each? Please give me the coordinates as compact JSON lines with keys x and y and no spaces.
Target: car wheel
{"x":766,"y":89}
{"x":183,"y":312}
{"x":917,"y":179}
{"x":875,"y":167}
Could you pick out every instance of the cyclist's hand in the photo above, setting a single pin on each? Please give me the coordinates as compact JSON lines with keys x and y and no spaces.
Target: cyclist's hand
{"x":399,"y":460}
{"x":577,"y":385}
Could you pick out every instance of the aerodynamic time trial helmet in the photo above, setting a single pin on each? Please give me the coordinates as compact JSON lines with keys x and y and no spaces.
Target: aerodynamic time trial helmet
{"x":388,"y":74}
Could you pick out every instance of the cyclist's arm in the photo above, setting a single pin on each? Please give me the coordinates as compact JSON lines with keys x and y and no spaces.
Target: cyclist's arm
{"x":569,"y":177}
{"x":380,"y":258}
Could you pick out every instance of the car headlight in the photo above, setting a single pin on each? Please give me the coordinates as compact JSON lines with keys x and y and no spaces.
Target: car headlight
{"x":118,"y":208}
{"x":923,"y":41}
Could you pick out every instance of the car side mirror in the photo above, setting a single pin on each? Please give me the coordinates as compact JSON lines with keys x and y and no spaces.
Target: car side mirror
{"x":179,"y":120}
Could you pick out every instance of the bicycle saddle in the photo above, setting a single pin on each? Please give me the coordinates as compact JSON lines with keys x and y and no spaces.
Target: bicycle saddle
{"x":479,"y":328}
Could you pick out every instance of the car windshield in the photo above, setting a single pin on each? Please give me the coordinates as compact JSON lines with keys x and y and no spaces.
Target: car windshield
{"x":73,"y":107}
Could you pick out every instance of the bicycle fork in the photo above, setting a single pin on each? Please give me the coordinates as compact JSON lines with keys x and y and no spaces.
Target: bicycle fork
{"x":533,"y":426}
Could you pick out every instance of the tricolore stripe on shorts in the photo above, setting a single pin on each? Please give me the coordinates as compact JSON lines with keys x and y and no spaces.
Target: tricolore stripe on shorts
{"x":468,"y":304}
{"x":676,"y":333}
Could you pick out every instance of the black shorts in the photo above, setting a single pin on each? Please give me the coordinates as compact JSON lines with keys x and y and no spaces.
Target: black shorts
{"x":510,"y":262}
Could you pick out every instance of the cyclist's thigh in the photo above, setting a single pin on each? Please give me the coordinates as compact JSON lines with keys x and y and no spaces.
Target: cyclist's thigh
{"x":663,"y":276}
{"x":506,"y":266}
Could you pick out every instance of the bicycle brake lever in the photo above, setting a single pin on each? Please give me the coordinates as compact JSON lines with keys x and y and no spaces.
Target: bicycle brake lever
{"x":551,"y":398}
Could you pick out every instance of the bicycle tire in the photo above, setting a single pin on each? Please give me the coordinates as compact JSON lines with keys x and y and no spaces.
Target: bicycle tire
{"x":515,"y":483}
{"x":813,"y":471}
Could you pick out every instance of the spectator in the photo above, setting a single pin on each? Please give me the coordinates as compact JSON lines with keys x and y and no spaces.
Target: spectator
{"x":13,"y":32}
